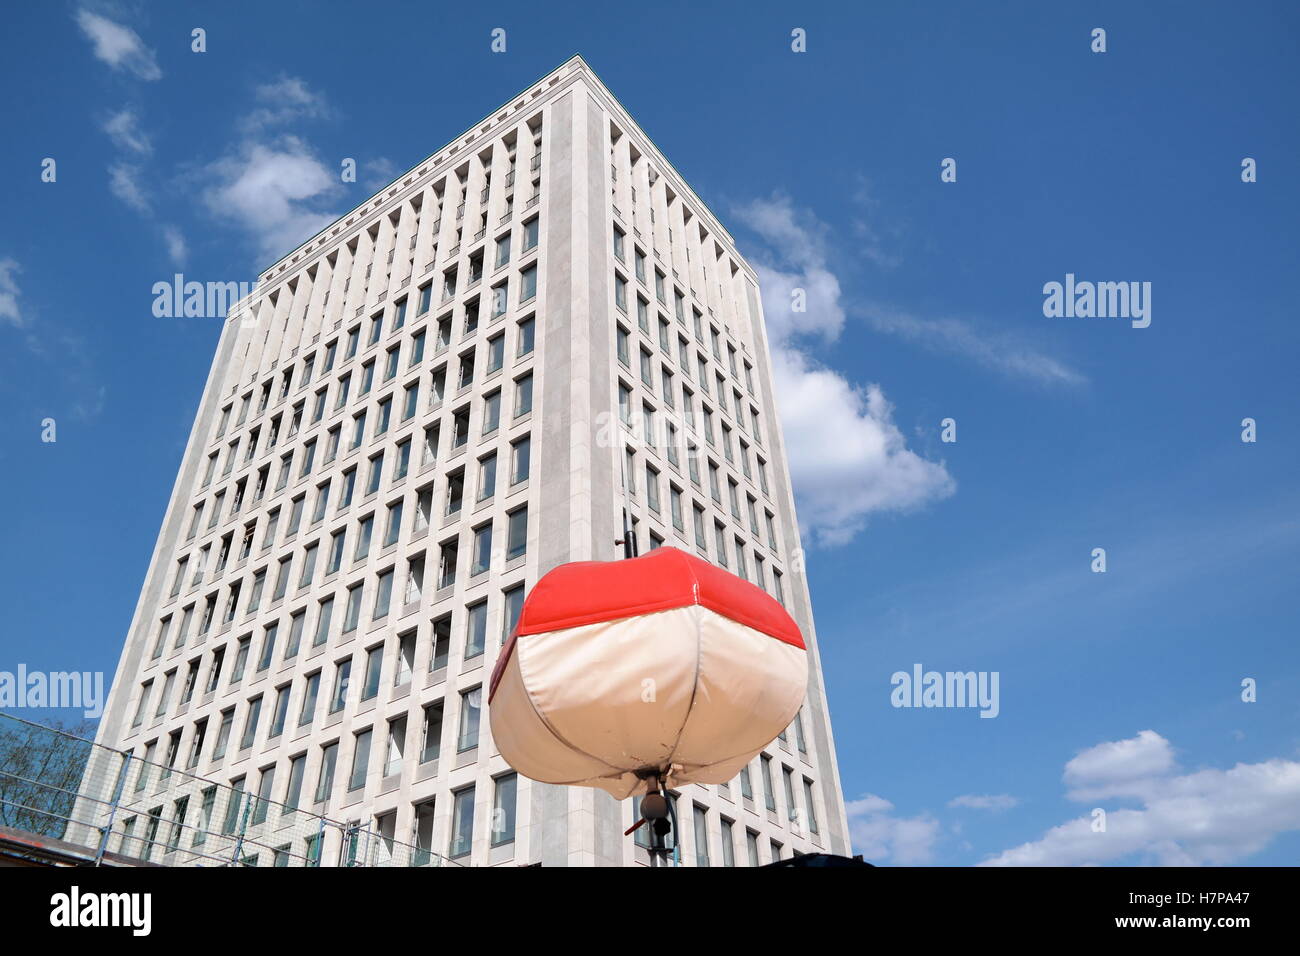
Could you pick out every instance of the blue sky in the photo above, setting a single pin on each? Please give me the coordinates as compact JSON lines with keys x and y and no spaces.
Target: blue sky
{"x":1118,"y":690}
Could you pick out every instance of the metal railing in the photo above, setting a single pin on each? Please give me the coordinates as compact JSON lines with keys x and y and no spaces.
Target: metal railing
{"x":57,"y":785}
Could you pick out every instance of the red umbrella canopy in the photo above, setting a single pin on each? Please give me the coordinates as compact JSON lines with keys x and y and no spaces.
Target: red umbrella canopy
{"x":619,"y":671}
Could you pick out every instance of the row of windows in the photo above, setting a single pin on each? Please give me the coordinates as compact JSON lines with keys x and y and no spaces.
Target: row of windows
{"x":715,"y":338}
{"x":493,"y":360}
{"x":631,"y":161}
{"x":344,"y":487}
{"x":727,"y":391}
{"x":378,"y":665}
{"x":357,"y":436}
{"x":230,"y":811}
{"x":481,"y":558}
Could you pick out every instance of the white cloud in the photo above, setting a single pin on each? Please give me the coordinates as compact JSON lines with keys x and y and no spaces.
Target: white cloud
{"x":119,"y":46}
{"x":1000,"y":352}
{"x":284,"y":100}
{"x":799,"y":240}
{"x":124,"y":129}
{"x":124,"y":181}
{"x":1119,"y":767}
{"x":847,"y":457}
{"x":989,"y":801}
{"x":880,"y":836}
{"x":177,"y":250}
{"x":1203,"y":817}
{"x":272,"y":191}
{"x":9,"y":293}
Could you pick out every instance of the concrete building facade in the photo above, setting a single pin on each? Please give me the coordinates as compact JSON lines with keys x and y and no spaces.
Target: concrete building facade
{"x":469,"y":379}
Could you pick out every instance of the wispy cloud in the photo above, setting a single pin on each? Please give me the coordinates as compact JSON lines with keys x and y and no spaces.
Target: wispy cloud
{"x":123,"y":127}
{"x":848,"y":459}
{"x":1189,"y":819}
{"x":271,"y":184}
{"x":177,"y":250}
{"x":10,"y":310}
{"x":286,"y":99}
{"x":868,"y":233}
{"x":274,"y":192}
{"x":1001,"y":352}
{"x":119,"y":46}
{"x":881,"y":835}
{"x":124,"y":182}
{"x":984,"y":801}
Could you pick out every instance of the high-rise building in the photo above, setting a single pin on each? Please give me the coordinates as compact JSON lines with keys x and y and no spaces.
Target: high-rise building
{"x":469,"y":379}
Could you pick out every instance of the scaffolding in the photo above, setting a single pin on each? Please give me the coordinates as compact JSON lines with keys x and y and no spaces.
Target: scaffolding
{"x":123,"y":810}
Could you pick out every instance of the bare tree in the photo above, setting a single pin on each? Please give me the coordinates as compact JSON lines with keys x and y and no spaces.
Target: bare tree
{"x":41,"y":772}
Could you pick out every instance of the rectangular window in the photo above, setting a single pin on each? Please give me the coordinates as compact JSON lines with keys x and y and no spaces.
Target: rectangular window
{"x":769,"y":795}
{"x":496,"y":353}
{"x":517,"y":533}
{"x":365,"y":529}
{"x":360,"y":759}
{"x":336,"y":551}
{"x":311,"y":690}
{"x":521,"y":451}
{"x":342,"y":676}
{"x":526,"y":331}
{"x":503,"y":809}
{"x":514,"y":604}
{"x":383,"y":595}
{"x":470,"y":715}
{"x":325,"y":780}
{"x":462,"y":823}
{"x":269,"y":635}
{"x":523,"y":395}
{"x":352,"y":610}
{"x":349,"y":484}
{"x":432,"y":737}
{"x":403,"y":459}
{"x":701,"y":836}
{"x":487,"y":477}
{"x":481,"y":556}
{"x":491,"y":413}
{"x":323,"y":621}
{"x":810,"y":805}
{"x":293,"y":793}
{"x":282,"y":575}
{"x":281,"y":712}
{"x":475,"y":630}
{"x":250,"y":723}
{"x":394,"y":528}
